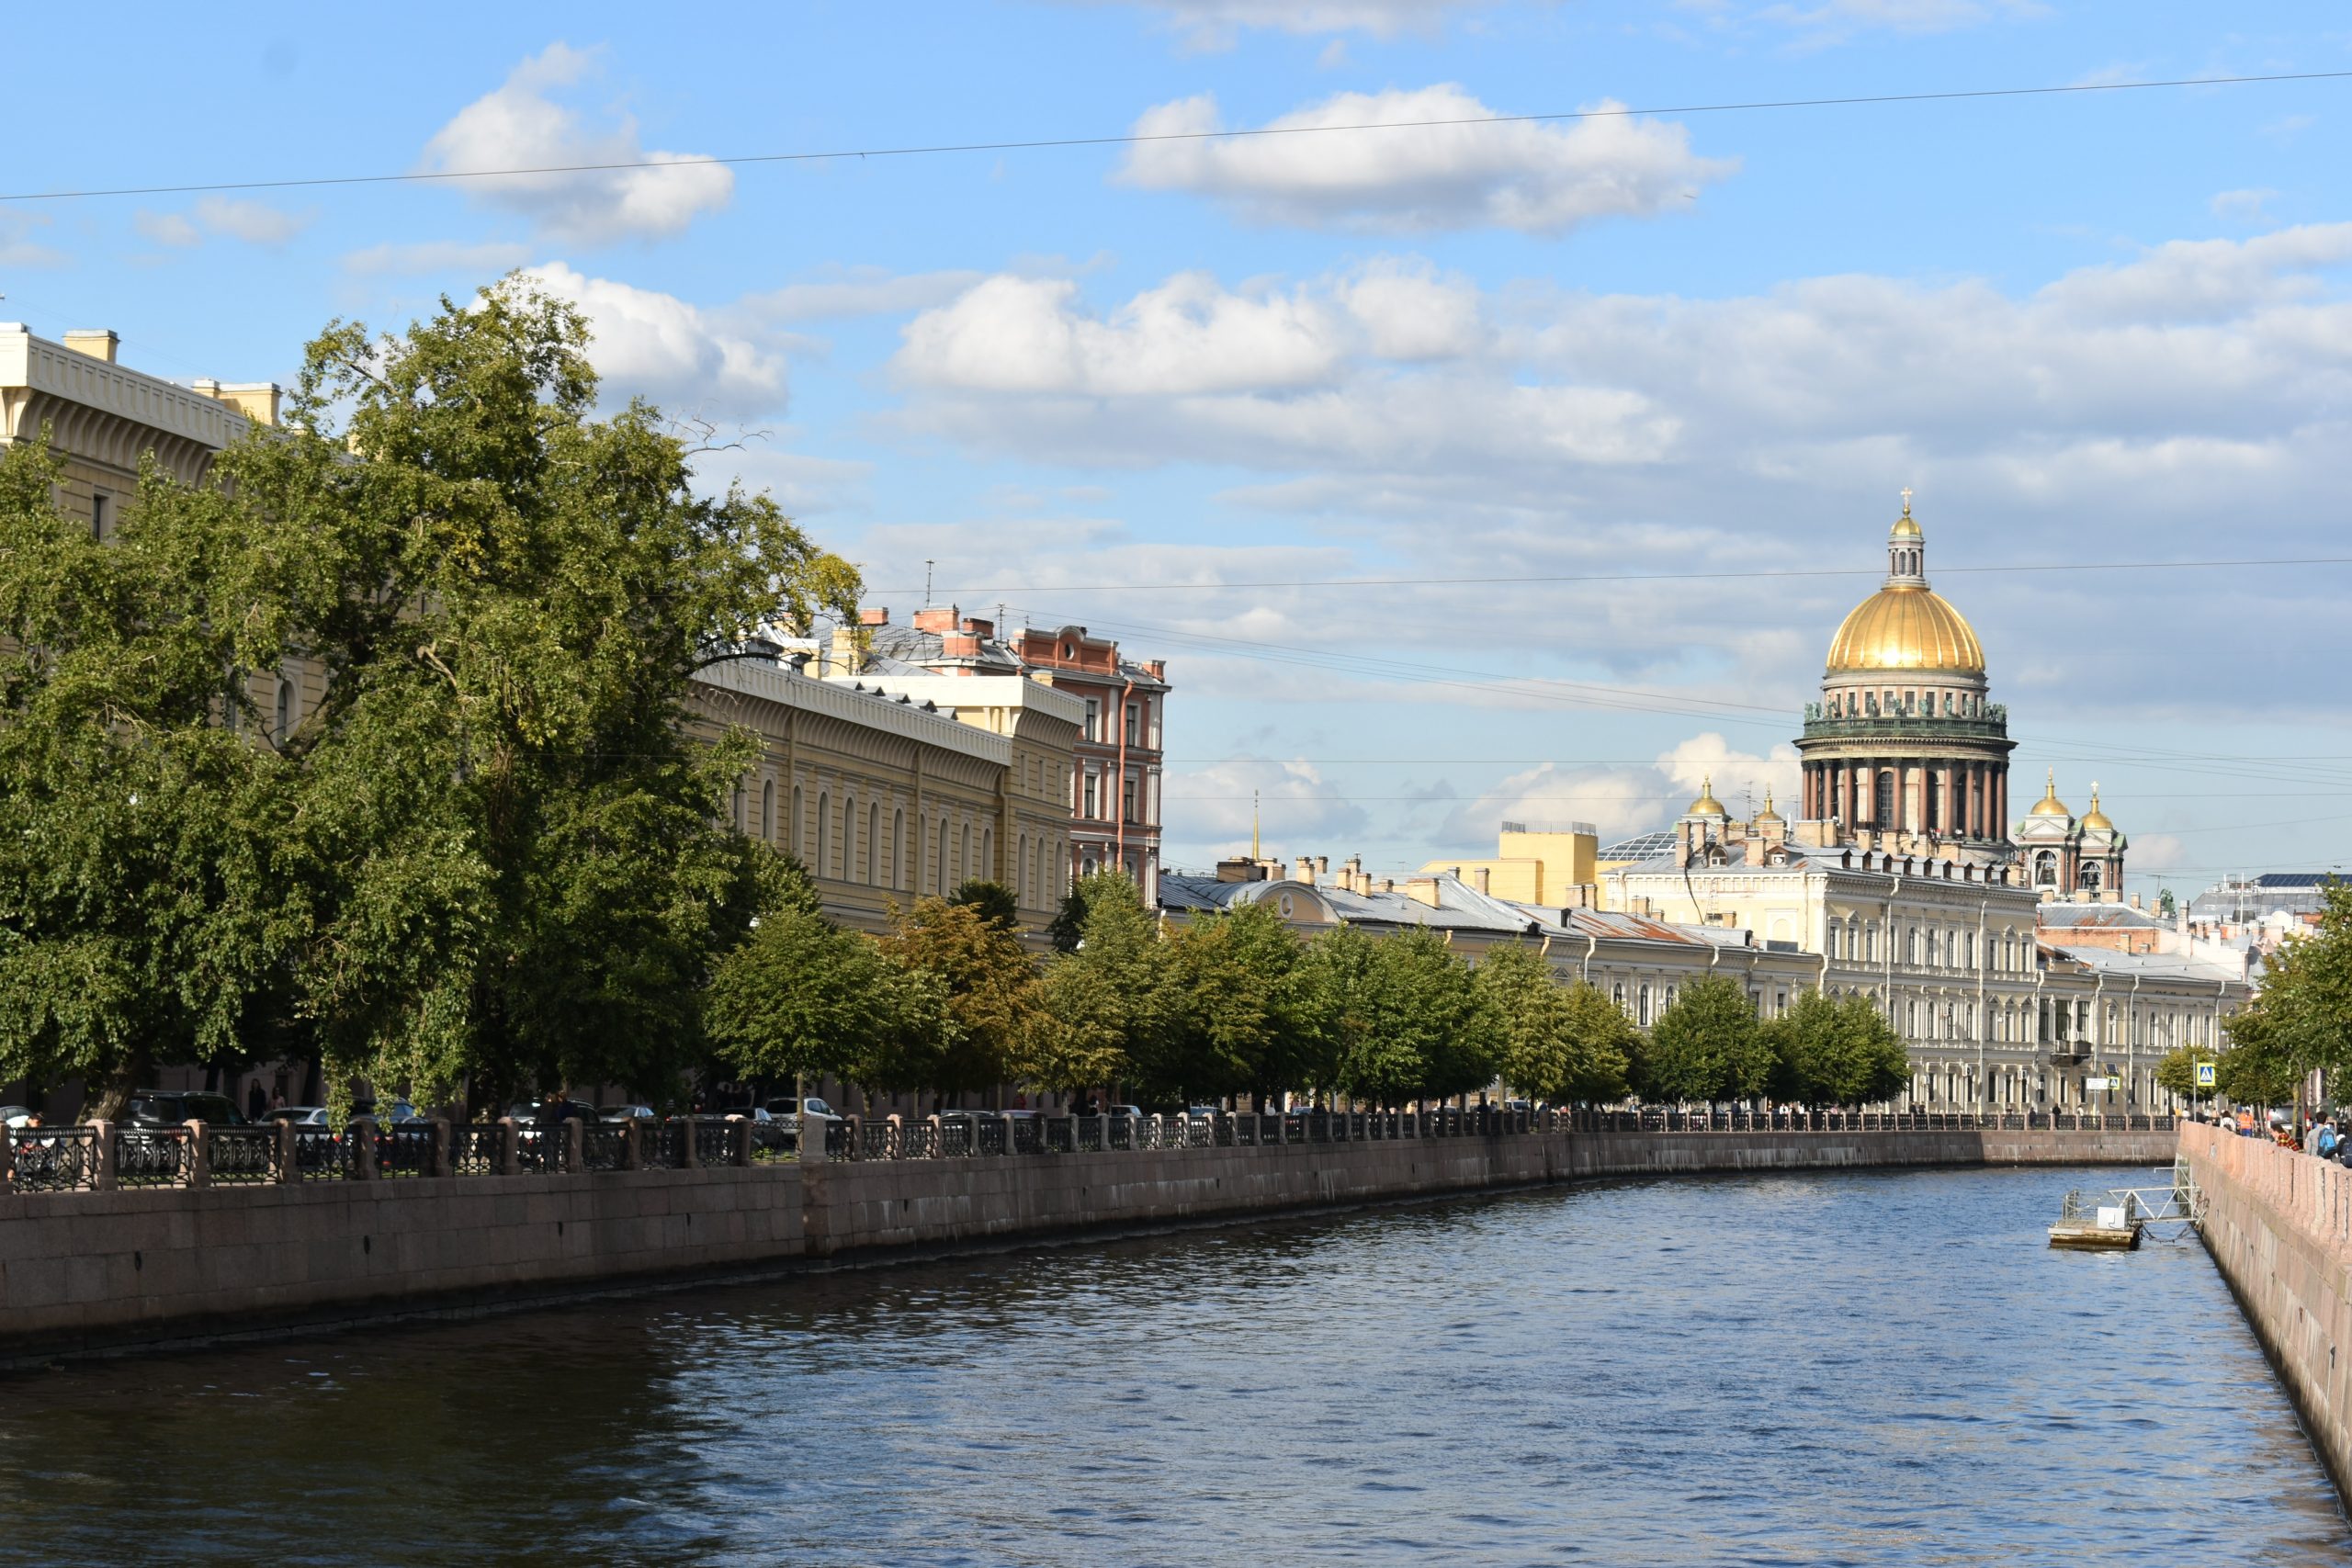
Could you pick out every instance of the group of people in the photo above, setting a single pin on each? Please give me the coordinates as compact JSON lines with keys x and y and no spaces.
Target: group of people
{"x":2322,"y":1139}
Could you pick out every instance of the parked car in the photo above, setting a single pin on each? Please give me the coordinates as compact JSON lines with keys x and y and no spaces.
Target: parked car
{"x":768,"y":1132}
{"x":1134,"y":1111}
{"x":626,"y":1113}
{"x":528,"y":1113}
{"x":300,"y":1116}
{"x":17,"y":1115}
{"x":811,"y":1105}
{"x":170,"y":1107}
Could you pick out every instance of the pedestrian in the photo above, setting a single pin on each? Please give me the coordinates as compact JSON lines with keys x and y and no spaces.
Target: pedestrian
{"x":254,"y":1103}
{"x":2324,"y":1142}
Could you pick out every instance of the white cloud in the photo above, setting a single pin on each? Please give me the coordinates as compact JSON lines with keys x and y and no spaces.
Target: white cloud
{"x":486,"y":259}
{"x":849,"y":292}
{"x":257,"y":223}
{"x":1294,"y":803}
{"x":254,"y":222}
{"x":681,"y":356}
{"x":16,"y":246}
{"x":1539,"y":178}
{"x":2242,"y":205}
{"x":174,"y":229}
{"x":522,"y":124}
{"x":1622,"y":801}
{"x":1215,"y":24}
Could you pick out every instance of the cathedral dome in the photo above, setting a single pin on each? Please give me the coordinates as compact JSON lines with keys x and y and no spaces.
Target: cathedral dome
{"x":2095,"y":820}
{"x":1906,"y":626}
{"x":1902,"y":628}
{"x":2050,"y":804}
{"x":1707,"y":805}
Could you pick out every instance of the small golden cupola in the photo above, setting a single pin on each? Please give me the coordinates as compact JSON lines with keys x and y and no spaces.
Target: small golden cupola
{"x":1767,"y":813}
{"x":1707,"y":805}
{"x":2095,"y":820}
{"x":2050,"y":804}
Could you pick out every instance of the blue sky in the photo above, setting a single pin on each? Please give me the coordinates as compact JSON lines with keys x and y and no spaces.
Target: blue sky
{"x":1104,"y":384}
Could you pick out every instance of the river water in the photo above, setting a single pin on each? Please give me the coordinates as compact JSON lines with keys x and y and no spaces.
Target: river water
{"x":1864,"y":1368}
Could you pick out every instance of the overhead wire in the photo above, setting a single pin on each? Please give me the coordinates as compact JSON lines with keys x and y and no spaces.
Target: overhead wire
{"x":1139,"y":138}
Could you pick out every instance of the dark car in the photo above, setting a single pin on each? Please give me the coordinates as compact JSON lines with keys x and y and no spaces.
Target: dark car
{"x":171,"y":1106}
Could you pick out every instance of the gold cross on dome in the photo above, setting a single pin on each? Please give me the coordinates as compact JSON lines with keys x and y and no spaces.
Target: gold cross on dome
{"x":1907,"y":501}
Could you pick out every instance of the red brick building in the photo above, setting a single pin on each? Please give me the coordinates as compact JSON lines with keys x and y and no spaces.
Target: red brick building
{"x":1115,"y":780}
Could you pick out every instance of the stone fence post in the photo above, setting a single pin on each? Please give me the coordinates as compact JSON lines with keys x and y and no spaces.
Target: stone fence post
{"x":199,"y":1155}
{"x":510,"y":1147}
{"x":938,"y":1137}
{"x":102,"y":1156}
{"x":440,"y":1165}
{"x":739,"y":1142}
{"x":576,"y":1140}
{"x":7,"y":1159}
{"x":632,"y":1144}
{"x":812,"y":1138}
{"x":689,"y":1157}
{"x":359,"y":1138}
{"x":290,"y":1152}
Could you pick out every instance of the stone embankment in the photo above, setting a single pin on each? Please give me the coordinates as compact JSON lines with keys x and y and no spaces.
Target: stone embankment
{"x":90,"y":1270}
{"x":2279,"y":1225}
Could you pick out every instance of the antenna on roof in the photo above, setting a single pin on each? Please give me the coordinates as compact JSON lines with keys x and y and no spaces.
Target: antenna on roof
{"x":1255,"y":853}
{"x":926,"y":583}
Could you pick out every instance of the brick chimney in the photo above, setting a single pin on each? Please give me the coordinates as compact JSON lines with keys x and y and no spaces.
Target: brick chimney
{"x":1478,"y":879}
{"x":1156,"y":668}
{"x":979,"y":627}
{"x":1422,"y":890}
{"x":940,"y":618}
{"x":874,"y":615}
{"x":958,"y":645}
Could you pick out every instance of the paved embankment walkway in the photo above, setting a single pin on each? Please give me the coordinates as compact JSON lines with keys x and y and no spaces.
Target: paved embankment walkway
{"x":2279,"y":1225}
{"x":89,"y":1270}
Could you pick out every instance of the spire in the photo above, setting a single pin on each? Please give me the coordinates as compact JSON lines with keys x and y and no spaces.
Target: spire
{"x":1255,"y":853}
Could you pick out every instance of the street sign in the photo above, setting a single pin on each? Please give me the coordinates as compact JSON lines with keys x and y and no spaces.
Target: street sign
{"x":2098,"y":1083}
{"x":2204,"y":1075}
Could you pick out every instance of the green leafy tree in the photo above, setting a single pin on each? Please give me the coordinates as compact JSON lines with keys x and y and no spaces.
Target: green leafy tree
{"x":1068,"y":927}
{"x":1409,"y":1020}
{"x":801,"y":998}
{"x":1707,"y":1046}
{"x":1101,"y":1012}
{"x":1557,"y":1043}
{"x":1835,"y":1051}
{"x":2301,"y":1020}
{"x":1250,"y":1017}
{"x":994,"y":901}
{"x":513,"y":849}
{"x":147,"y":910}
{"x":2257,"y":1069}
{"x":990,"y":984}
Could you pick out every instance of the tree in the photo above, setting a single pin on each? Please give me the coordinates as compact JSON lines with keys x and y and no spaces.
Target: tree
{"x":147,"y":913}
{"x":993,"y":900}
{"x":1706,"y":1046}
{"x":801,"y":998}
{"x":1249,"y":1016}
{"x":514,"y":852}
{"x":2257,"y":1069}
{"x":1838,"y":1050}
{"x":2178,"y":1071}
{"x":1408,"y":1017}
{"x":990,"y":990}
{"x":1069,"y":923}
{"x":1101,"y":1016}
{"x":2301,"y":1021}
{"x":1558,"y":1042}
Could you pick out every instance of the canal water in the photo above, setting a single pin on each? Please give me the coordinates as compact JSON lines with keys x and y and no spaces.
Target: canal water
{"x":1865,"y":1368}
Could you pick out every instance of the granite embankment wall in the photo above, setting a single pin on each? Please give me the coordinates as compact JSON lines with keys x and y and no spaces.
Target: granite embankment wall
{"x":2279,"y":1225}
{"x":82,"y":1272}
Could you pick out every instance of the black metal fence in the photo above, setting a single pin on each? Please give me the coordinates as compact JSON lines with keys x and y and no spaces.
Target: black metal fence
{"x":42,"y":1159}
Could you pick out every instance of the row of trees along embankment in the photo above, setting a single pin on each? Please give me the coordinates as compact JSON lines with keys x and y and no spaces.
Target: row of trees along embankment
{"x":488,"y":854}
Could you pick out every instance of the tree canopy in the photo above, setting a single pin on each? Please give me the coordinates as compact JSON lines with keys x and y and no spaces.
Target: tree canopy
{"x":1405,"y":1014}
{"x":1558,"y":1042}
{"x":1706,"y":1046}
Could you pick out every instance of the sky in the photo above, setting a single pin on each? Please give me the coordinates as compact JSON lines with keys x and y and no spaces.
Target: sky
{"x":1461,"y":473}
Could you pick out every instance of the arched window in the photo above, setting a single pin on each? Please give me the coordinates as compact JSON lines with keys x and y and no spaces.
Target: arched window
{"x":2045,"y":868}
{"x":964,"y":868}
{"x":1882,"y":798}
{"x":1021,"y":888}
{"x":286,"y":714}
{"x":941,"y":871}
{"x":2088,"y":876}
{"x":736,"y":808}
{"x":849,"y":838}
{"x":793,"y":828}
{"x":988,"y":853}
{"x":900,"y":877}
{"x":823,"y":865}
{"x":767,"y":809}
{"x":873,"y":846}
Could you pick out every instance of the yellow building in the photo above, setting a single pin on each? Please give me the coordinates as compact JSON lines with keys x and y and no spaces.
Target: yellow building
{"x":1531,"y":866}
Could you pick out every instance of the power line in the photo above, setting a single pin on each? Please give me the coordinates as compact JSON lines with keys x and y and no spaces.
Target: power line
{"x":1133,"y":139}
{"x":1627,"y":576}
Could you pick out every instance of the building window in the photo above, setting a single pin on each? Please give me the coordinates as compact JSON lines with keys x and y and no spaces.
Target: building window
{"x":823,"y":866}
{"x":796,"y":826}
{"x":1091,"y":808}
{"x":849,"y":840}
{"x":1133,"y":730}
{"x":1093,"y":720}
{"x":988,"y":854}
{"x":1883,"y":800}
{"x":285,"y":708}
{"x":1128,"y":799}
{"x":735,"y":809}
{"x":1643,"y":1017}
{"x":768,"y":810}
{"x":899,"y":878}
{"x":98,"y":500}
{"x":873,"y":848}
{"x":939,"y":872}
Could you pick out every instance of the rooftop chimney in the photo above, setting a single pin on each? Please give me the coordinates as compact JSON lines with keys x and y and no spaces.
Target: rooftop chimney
{"x":979,"y":627}
{"x":958,"y":645}
{"x":99,"y":343}
{"x":940,"y":618}
{"x":1422,"y":890}
{"x":874,"y":615}
{"x":1478,"y":879}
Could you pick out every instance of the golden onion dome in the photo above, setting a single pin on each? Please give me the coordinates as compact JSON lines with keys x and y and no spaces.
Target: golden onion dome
{"x":1706,"y":805}
{"x":2095,"y":820}
{"x":1767,"y":813}
{"x":1906,"y":626}
{"x":2050,"y":804}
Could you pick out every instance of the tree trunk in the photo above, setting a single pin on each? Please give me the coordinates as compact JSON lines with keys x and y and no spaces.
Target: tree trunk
{"x":111,"y":1095}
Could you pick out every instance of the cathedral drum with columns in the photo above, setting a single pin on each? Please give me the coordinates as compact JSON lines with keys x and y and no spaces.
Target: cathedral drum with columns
{"x":1904,"y":738}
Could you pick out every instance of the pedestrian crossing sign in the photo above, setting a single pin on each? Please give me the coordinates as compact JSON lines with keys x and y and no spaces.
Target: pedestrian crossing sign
{"x":2204,"y":1075}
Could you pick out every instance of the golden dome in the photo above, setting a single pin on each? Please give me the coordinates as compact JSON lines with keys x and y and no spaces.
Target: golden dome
{"x":1767,"y":813}
{"x":1904,"y":527}
{"x":1906,"y":626}
{"x":1706,"y":805}
{"x":2095,"y":820}
{"x":2050,"y":804}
